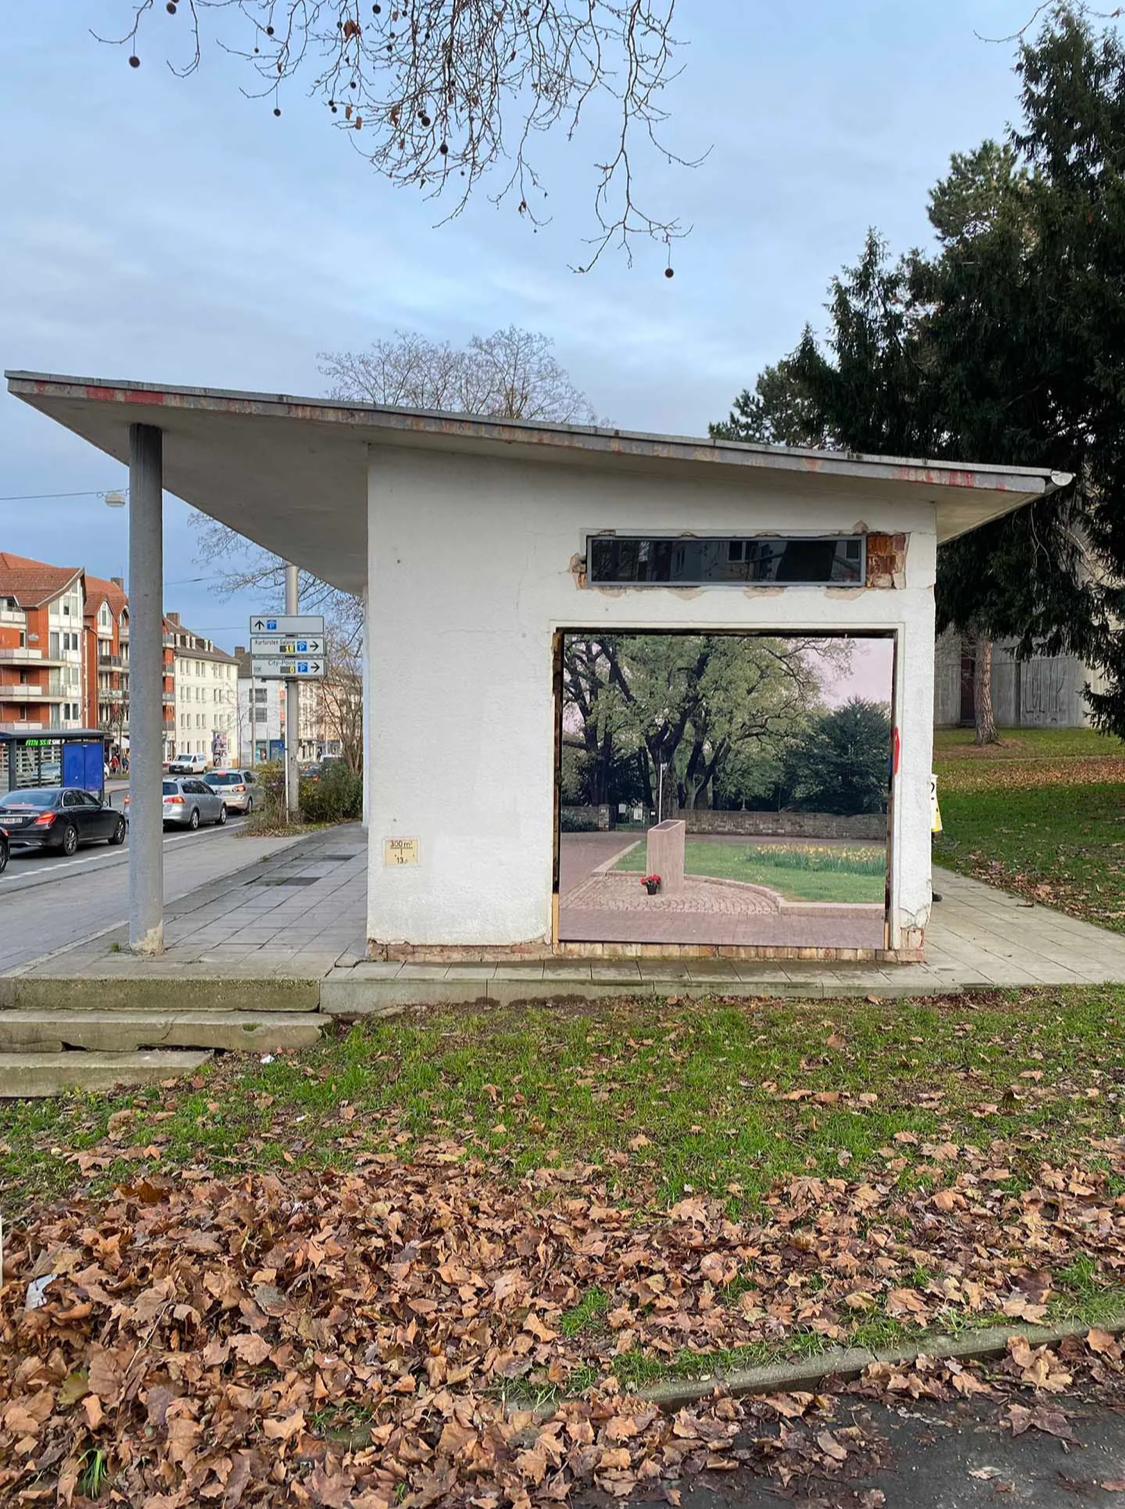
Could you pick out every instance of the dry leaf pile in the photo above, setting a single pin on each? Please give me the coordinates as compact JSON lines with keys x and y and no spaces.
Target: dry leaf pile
{"x":348,"y":1340}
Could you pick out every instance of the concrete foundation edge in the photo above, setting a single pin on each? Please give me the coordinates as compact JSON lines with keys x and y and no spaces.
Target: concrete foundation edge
{"x":345,"y":993}
{"x":352,"y":997}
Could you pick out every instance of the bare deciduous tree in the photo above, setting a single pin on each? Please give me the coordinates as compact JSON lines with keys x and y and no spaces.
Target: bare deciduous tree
{"x":440,"y":93}
{"x":511,"y":375}
{"x":339,"y":697}
{"x":245,"y":566}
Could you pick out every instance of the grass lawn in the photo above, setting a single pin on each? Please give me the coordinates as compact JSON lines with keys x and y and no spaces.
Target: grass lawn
{"x":1028,"y":744}
{"x":727,"y":1099}
{"x":1042,"y":813}
{"x":388,"y":1238}
{"x":800,"y":872}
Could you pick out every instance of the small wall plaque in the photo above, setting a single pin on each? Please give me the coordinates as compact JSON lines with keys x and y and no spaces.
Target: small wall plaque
{"x":400,"y":851}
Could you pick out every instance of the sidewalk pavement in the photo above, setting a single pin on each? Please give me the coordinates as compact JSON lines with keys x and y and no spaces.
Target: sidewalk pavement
{"x":294,"y":911}
{"x":46,"y":906}
{"x":300,"y":916}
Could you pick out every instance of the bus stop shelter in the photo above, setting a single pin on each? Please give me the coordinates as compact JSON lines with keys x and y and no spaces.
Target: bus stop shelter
{"x":60,"y":757}
{"x":476,"y":543}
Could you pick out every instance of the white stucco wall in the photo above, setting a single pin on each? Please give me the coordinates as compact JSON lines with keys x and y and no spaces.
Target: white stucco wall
{"x":469,"y":578}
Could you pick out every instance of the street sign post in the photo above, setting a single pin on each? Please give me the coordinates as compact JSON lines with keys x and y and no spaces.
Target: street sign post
{"x":288,"y":668}
{"x":287,"y":644}
{"x":288,"y":624}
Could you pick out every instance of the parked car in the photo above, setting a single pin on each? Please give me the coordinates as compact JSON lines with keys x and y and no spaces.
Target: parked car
{"x":189,"y":764}
{"x":188,"y":802}
{"x":4,"y":850}
{"x":314,"y":771}
{"x":238,"y":788}
{"x":58,"y":817}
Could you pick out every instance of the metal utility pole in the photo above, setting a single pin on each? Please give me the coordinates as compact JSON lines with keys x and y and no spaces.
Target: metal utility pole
{"x":292,"y":711}
{"x":146,"y":682}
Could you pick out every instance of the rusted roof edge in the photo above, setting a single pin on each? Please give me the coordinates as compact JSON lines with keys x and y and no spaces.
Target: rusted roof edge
{"x":598,"y":440}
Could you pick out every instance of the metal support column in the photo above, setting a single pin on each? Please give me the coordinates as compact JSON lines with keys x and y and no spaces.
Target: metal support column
{"x":146,"y":683}
{"x":365,"y":692}
{"x":292,"y":710}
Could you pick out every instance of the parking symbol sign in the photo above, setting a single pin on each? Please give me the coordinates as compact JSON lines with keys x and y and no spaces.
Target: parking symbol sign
{"x":302,"y":646}
{"x":302,"y":668}
{"x":271,"y":623}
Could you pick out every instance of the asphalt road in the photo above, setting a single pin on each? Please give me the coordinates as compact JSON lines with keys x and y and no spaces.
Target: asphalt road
{"x":925,"y":1455}
{"x":48,"y":901}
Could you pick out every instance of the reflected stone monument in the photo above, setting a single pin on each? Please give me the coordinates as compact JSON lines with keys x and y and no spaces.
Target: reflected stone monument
{"x":665,"y":855}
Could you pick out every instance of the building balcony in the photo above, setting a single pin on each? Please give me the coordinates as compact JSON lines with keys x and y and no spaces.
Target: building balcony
{"x":168,"y":698}
{"x":35,"y":693}
{"x":110,"y":662}
{"x":25,"y":655}
{"x":23,"y":728}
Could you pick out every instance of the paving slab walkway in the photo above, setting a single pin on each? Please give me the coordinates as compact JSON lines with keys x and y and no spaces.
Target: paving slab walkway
{"x":301,"y":916}
{"x":296,"y":913}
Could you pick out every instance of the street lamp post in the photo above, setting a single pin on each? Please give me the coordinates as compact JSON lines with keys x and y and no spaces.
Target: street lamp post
{"x":660,"y":792}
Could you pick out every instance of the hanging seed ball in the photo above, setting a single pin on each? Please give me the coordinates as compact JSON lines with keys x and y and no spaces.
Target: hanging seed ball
{"x":277,"y":110}
{"x":171,"y":7}
{"x":269,"y":31}
{"x":444,"y":150}
{"x":375,"y":9}
{"x":669,"y":272}
{"x":423,"y":117}
{"x":134,"y":61}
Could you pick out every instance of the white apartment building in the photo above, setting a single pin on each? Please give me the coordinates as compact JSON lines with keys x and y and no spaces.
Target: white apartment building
{"x":65,"y":628}
{"x":261,"y":714}
{"x":261,"y":718}
{"x":206,"y":695}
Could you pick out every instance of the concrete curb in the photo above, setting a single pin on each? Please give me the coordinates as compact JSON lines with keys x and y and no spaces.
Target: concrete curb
{"x":159,"y":994}
{"x":849,"y":1362}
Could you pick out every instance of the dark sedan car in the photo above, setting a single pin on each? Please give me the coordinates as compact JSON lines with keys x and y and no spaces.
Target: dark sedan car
{"x":58,"y":817}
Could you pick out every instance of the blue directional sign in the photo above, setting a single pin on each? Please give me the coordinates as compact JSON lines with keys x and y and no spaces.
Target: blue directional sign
{"x":302,"y":624}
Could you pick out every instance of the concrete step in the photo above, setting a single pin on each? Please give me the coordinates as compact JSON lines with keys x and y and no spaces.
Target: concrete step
{"x":35,"y":1076}
{"x":154,"y":985}
{"x":125,"y":1031}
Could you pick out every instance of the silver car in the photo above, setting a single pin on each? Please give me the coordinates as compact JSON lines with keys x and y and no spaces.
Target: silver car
{"x":188,"y":801}
{"x":238,"y":788}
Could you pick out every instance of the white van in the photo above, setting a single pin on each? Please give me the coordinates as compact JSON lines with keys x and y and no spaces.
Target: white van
{"x":189,"y":764}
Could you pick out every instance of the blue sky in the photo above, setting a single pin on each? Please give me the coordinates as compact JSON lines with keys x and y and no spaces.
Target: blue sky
{"x":175,"y":231}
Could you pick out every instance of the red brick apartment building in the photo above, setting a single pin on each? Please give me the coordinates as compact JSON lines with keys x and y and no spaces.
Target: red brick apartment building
{"x":64,"y":651}
{"x":42,"y":645}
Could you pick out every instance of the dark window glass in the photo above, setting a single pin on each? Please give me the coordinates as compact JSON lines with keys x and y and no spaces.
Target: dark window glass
{"x":44,"y":798}
{"x":698,"y":562}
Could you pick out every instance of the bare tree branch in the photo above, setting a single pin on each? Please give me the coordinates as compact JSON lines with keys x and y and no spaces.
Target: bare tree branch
{"x":245,"y":566}
{"x":511,"y":375}
{"x":1049,"y":7}
{"x":437,"y":93}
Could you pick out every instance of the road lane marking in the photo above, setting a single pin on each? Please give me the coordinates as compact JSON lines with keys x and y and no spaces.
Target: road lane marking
{"x":112,"y":859}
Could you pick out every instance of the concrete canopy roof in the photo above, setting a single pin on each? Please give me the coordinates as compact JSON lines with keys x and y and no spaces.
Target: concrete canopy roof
{"x":291,"y":473}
